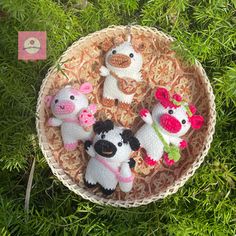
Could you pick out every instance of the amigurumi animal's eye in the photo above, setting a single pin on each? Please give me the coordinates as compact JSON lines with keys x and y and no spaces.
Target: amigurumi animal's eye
{"x":120,"y":144}
{"x":131,"y":55}
{"x":170,"y":112}
{"x":103,"y":136}
{"x":183,"y":122}
{"x":56,"y":101}
{"x":113,"y":51}
{"x":72,"y":97}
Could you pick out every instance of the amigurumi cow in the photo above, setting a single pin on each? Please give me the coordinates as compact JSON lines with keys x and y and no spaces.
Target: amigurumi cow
{"x":123,"y":64}
{"x":73,"y":113}
{"x":110,"y":160}
{"x":171,"y":118}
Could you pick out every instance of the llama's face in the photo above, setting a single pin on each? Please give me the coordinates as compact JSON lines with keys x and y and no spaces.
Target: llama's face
{"x":113,"y":143}
{"x":124,"y":58}
{"x":172,"y":121}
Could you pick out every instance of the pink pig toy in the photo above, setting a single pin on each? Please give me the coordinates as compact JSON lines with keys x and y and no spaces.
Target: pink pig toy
{"x":171,"y":118}
{"x":65,"y":106}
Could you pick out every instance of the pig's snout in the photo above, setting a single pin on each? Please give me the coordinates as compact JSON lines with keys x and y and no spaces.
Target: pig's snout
{"x":170,"y":123}
{"x":64,"y":107}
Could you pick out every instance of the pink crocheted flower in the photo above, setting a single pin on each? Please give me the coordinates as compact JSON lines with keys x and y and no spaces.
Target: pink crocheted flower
{"x":167,"y":160}
{"x":86,"y":118}
{"x":183,"y":144}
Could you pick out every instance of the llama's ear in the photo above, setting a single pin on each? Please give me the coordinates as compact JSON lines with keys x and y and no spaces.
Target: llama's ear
{"x":86,"y":88}
{"x":48,"y":99}
{"x":118,"y":40}
{"x":106,"y":45}
{"x":103,"y":126}
{"x":138,"y":45}
{"x":196,"y":121}
{"x":162,"y":94}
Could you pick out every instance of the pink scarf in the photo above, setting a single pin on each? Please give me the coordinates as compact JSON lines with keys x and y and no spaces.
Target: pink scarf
{"x":115,"y":171}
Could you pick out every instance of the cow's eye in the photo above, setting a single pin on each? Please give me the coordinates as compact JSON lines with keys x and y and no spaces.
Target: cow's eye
{"x":131,"y":55}
{"x":120,"y":144}
{"x":102,"y":136}
{"x":170,"y":111}
{"x":56,"y":101}
{"x":183,"y":122}
{"x":113,"y":51}
{"x":72,"y":97}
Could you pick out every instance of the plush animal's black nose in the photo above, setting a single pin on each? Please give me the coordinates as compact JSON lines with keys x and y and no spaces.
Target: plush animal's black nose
{"x":62,"y":107}
{"x":105,"y":148}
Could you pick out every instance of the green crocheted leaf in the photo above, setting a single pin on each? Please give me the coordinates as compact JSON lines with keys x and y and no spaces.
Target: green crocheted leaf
{"x":173,"y":153}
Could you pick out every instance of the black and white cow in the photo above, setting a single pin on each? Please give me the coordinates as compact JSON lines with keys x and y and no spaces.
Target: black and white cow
{"x":110,"y":161}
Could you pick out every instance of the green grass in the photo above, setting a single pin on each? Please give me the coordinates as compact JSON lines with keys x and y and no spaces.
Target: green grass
{"x":206,"y":205}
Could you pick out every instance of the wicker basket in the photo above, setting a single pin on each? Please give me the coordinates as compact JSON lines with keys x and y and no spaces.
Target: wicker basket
{"x":80,"y":63}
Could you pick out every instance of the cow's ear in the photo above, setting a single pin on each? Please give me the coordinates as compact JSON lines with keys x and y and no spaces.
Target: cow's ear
{"x":126,"y":135}
{"x":196,"y":121}
{"x":98,"y":127}
{"x":134,"y":143}
{"x":162,"y":94}
{"x":103,"y":126}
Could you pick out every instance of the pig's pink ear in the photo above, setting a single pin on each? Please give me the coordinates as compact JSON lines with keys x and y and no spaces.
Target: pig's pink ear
{"x":86,"y":88}
{"x":196,"y":121}
{"x":162,"y":94}
{"x":48,"y":100}
{"x":92,"y":108}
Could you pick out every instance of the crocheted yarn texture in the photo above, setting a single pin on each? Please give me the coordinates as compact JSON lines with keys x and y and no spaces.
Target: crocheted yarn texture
{"x":81,"y":63}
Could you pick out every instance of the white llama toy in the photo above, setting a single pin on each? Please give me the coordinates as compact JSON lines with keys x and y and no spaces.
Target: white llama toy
{"x":73,"y":113}
{"x":110,"y":161}
{"x":171,"y":118}
{"x":123,"y":64}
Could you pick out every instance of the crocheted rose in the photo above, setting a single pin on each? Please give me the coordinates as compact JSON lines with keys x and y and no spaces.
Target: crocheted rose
{"x":86,"y":117}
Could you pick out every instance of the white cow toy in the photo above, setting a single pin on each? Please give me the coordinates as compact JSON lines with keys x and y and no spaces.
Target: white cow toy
{"x":171,"y":118}
{"x":110,"y":161}
{"x":73,"y":113}
{"x":122,"y":71}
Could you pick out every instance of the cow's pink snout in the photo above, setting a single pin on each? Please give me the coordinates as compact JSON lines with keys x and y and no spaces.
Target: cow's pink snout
{"x":170,"y":123}
{"x":64,"y":107}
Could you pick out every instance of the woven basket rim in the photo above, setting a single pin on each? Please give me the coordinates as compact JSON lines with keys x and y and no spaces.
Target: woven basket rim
{"x":68,"y":182}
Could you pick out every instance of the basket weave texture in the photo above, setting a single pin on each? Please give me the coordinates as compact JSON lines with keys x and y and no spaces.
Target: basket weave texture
{"x":79,"y":64}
